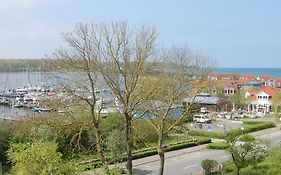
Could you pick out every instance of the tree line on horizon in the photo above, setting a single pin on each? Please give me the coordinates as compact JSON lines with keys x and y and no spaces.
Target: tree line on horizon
{"x":21,"y":65}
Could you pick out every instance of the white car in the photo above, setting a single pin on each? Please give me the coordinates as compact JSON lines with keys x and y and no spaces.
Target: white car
{"x":200,"y":118}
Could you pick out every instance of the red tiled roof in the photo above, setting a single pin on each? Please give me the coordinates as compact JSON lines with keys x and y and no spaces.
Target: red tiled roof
{"x":265,"y":77}
{"x":267,"y":90}
{"x":248,"y":77}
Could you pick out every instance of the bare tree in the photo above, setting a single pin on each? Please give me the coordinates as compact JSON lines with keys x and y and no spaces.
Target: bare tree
{"x":182,"y":74}
{"x":75,"y":69}
{"x":127,"y":55}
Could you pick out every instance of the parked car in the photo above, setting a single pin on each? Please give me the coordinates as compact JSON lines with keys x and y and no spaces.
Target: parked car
{"x":200,"y":118}
{"x":251,"y":115}
{"x":238,"y":115}
{"x":204,"y":110}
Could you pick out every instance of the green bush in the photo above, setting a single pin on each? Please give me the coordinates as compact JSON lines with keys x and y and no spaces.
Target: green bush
{"x":5,"y":132}
{"x":153,"y":151}
{"x":202,"y":140}
{"x":209,"y":166}
{"x":38,"y":158}
{"x":143,"y":132}
{"x":246,"y":138}
{"x":218,"y":145}
{"x":112,"y":121}
{"x":115,"y":144}
{"x":229,"y":167}
{"x":207,"y":134}
{"x":252,"y":126}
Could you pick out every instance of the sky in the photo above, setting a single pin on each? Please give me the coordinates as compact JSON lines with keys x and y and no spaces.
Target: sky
{"x":236,"y":33}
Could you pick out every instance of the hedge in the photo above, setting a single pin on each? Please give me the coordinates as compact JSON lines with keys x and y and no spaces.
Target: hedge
{"x":173,"y":147}
{"x":217,"y":135}
{"x":152,"y":151}
{"x":217,"y":145}
{"x":246,"y":138}
{"x":252,"y":126}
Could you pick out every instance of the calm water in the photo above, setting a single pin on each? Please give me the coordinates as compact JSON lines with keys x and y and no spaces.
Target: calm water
{"x":274,"y":72}
{"x":12,"y":80}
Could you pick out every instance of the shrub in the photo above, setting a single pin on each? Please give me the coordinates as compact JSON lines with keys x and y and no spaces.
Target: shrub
{"x":251,"y":126}
{"x":218,"y":145}
{"x":246,"y":138}
{"x":38,"y":158}
{"x":153,"y":151}
{"x":209,"y":166}
{"x":5,"y":133}
{"x":115,"y":144}
{"x":143,"y":132}
{"x":207,"y":134}
{"x":229,"y":167}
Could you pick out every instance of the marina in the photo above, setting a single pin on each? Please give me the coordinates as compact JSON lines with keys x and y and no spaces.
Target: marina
{"x":34,"y":95}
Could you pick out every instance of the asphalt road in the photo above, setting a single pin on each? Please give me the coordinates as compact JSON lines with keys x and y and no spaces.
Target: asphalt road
{"x":184,"y":164}
{"x":189,"y":163}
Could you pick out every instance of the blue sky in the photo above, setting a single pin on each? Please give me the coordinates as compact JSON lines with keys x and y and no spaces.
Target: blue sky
{"x":237,"y":33}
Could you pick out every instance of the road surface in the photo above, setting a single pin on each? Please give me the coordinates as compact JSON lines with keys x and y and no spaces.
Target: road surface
{"x":188,"y":161}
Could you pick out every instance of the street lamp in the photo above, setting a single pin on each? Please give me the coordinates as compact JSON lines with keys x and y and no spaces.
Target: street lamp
{"x":242,"y":127}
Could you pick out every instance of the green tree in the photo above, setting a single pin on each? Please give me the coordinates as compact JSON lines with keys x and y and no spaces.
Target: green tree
{"x":276,"y":101}
{"x":37,"y":158}
{"x":247,"y":153}
{"x":116,"y":145}
{"x":180,"y":70}
{"x":238,"y":99}
{"x":220,"y":91}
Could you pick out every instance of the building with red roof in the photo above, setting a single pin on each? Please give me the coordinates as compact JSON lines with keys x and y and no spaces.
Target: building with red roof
{"x":260,"y":100}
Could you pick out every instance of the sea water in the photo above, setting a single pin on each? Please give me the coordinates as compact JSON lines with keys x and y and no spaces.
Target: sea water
{"x":274,"y":72}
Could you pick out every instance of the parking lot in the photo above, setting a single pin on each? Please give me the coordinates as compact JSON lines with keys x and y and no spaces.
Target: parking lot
{"x":221,"y":125}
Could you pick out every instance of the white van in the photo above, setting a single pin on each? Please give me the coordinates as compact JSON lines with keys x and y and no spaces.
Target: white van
{"x":200,"y":118}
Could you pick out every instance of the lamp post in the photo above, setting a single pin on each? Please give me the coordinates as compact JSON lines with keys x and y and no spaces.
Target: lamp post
{"x":242,"y":127}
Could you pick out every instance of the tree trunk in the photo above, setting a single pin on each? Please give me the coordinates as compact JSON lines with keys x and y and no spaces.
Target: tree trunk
{"x":238,"y":171}
{"x":97,"y":135}
{"x":162,"y":161}
{"x":161,"y":154}
{"x":99,"y":145}
{"x":129,"y":145}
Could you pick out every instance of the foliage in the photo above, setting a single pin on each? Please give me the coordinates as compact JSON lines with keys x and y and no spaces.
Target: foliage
{"x":111,"y":122}
{"x":115,"y":144}
{"x":247,"y":153}
{"x":229,"y":166}
{"x":272,"y":162}
{"x":276,"y":101}
{"x":37,"y":158}
{"x":143,"y":133}
{"x":220,"y":91}
{"x":18,"y":65}
{"x":270,"y":165}
{"x":213,"y":134}
{"x":209,"y":166}
{"x":246,"y":138}
{"x":251,"y":126}
{"x":218,"y":145}
{"x":114,"y":171}
{"x":238,"y":99}
{"x":5,"y":132}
